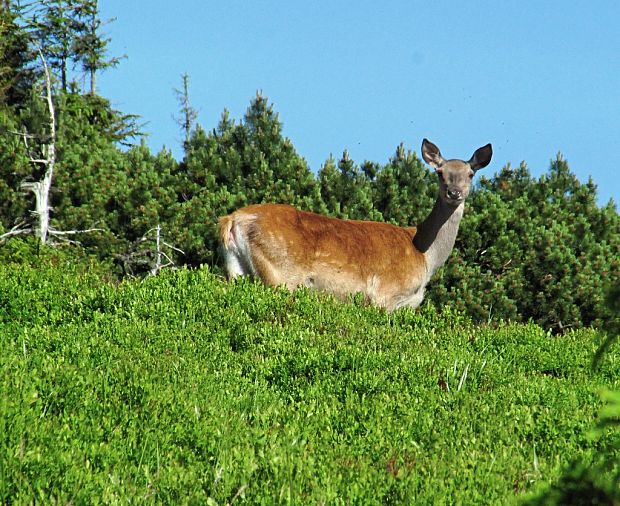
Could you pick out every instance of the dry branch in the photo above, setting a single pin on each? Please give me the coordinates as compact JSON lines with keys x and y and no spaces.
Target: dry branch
{"x":139,"y":258}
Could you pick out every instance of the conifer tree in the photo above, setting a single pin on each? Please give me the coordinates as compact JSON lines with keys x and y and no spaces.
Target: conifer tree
{"x":54,"y":30}
{"x":404,"y":189}
{"x":68,"y":33}
{"x":330,"y":185}
{"x":89,"y":45}
{"x":17,"y":66}
{"x":346,"y":190}
{"x":188,"y":113}
{"x":274,"y":171}
{"x":234,"y":165}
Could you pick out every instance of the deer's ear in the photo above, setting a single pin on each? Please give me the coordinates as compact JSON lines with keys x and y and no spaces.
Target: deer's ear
{"x":481,"y":158}
{"x":431,"y":154}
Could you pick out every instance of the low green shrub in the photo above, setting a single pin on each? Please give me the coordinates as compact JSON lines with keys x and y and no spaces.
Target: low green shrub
{"x":188,"y":389}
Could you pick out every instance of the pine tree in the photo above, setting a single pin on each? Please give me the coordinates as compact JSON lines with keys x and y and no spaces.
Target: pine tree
{"x":346,"y":190}
{"x":274,"y":171}
{"x":404,"y":189}
{"x":330,"y":185}
{"x":89,"y":45}
{"x":54,"y":29}
{"x":188,"y":113}
{"x":17,"y":66}
{"x":234,"y":165}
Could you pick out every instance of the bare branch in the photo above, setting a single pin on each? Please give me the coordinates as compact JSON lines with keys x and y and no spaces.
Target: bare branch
{"x":73,"y":232}
{"x":14,"y":232}
{"x":24,"y":134}
{"x":154,"y":259}
{"x":170,"y":261}
{"x":64,"y":240}
{"x":172,"y":247}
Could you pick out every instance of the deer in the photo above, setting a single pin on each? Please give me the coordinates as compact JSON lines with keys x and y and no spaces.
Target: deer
{"x":390,"y":265}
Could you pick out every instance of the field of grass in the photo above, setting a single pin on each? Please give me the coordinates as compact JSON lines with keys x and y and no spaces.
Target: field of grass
{"x":187,"y":389}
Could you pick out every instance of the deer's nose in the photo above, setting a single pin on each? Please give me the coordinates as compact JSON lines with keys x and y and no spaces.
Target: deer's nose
{"x":454,"y":194}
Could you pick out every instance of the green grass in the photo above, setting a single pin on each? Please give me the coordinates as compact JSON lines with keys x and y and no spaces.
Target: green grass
{"x":186,"y":389}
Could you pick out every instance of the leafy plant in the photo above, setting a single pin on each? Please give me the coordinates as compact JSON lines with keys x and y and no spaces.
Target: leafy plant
{"x":185,"y":388}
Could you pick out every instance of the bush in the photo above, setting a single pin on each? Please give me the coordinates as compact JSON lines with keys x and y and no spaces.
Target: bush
{"x":185,"y":388}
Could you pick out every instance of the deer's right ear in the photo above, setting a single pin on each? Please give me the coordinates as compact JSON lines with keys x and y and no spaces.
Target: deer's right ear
{"x":431,"y":154}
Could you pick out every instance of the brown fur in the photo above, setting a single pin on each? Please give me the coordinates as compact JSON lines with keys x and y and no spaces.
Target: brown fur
{"x":293,"y":247}
{"x":390,"y":265}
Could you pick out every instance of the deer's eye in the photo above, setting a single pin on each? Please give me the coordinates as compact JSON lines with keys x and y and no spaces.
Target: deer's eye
{"x":471,"y":175}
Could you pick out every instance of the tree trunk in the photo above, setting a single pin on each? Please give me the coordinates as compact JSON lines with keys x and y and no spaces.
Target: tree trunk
{"x":93,"y":82}
{"x":41,"y":189}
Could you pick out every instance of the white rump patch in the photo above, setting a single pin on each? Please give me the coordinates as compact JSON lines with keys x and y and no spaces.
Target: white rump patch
{"x":237,"y":257}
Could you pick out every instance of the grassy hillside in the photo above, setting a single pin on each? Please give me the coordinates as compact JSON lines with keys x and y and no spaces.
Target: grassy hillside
{"x":185,"y":388}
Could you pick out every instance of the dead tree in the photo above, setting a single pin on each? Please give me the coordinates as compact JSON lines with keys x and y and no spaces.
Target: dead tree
{"x":188,"y":113}
{"x":41,"y":189}
{"x":149,"y":254}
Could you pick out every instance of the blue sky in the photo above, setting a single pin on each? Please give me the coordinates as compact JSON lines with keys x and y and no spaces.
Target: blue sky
{"x":533,"y":78}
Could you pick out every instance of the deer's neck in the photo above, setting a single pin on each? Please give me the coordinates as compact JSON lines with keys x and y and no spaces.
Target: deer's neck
{"x":436,"y":235}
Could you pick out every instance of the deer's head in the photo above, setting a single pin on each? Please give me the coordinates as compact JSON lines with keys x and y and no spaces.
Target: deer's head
{"x":455,"y":176}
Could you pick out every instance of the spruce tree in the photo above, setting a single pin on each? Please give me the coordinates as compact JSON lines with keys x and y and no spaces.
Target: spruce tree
{"x":188,"y":114}
{"x":89,"y":45}
{"x":404,"y":189}
{"x":55,"y":26}
{"x":18,"y":71}
{"x":69,"y":35}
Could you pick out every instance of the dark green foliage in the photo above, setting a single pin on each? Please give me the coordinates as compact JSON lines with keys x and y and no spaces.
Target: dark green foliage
{"x":235,"y":165}
{"x":91,"y":187}
{"x":612,"y":324}
{"x":529,"y":248}
{"x":539,"y":249}
{"x":14,"y":168}
{"x":151,"y":192}
{"x":17,"y":71}
{"x":347,"y":189}
{"x":194,"y":224}
{"x":183,"y":387}
{"x":404,"y":190}
{"x":580,"y":486}
{"x":92,"y":176}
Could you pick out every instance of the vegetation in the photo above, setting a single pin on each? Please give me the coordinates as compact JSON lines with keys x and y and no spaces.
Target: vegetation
{"x":185,"y":388}
{"x":530,"y":248}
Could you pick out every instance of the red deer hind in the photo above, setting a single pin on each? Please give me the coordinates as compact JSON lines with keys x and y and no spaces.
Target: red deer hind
{"x":390,"y":265}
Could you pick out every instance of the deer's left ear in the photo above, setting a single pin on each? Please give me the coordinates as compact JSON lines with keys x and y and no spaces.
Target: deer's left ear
{"x":431,"y":154}
{"x":481,"y":158}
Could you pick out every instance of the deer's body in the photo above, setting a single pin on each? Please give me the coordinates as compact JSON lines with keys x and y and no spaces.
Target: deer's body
{"x":390,"y":265}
